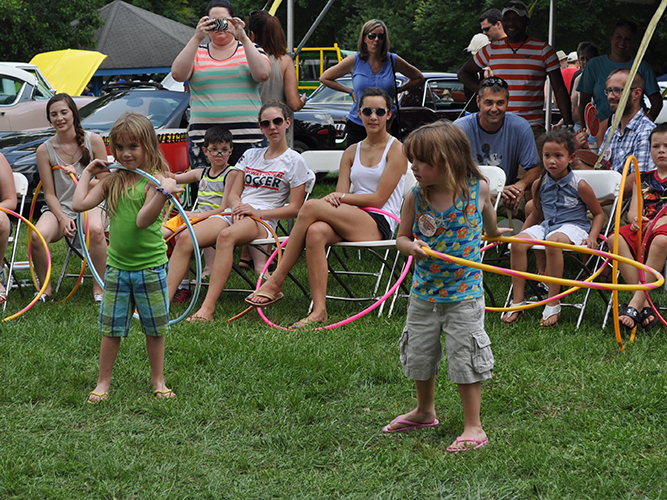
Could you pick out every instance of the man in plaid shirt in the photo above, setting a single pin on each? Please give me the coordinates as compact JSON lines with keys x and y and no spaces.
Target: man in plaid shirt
{"x":632,"y":135}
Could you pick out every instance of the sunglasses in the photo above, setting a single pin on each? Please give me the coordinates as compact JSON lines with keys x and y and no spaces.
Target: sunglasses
{"x":493,"y":80}
{"x":379,"y":112}
{"x":379,"y":36}
{"x":277,"y":121}
{"x":486,"y":30}
{"x":616,"y":91}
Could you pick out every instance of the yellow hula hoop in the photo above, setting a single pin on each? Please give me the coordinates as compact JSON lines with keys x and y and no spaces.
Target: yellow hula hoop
{"x":48,"y":269}
{"x":87,"y":242}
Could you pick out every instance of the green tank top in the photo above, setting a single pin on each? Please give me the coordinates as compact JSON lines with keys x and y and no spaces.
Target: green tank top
{"x":131,"y":248}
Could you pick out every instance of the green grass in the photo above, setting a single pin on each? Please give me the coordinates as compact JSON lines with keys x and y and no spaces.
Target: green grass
{"x":297,"y":414}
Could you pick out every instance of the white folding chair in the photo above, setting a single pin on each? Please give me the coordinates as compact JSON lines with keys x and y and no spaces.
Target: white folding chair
{"x":21,"y":185}
{"x":323,"y":162}
{"x":381,"y":250}
{"x":606,"y":186}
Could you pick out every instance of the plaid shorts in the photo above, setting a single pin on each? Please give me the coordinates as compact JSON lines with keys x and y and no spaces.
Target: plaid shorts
{"x":145,"y":290}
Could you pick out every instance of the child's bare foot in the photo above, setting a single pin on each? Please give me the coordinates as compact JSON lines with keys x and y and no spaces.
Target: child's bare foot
{"x":201,"y":316}
{"x":100,"y":394}
{"x":471,"y":439}
{"x":411,"y":421}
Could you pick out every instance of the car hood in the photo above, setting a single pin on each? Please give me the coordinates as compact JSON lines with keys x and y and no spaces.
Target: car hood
{"x":69,"y":70}
{"x":337,"y":111}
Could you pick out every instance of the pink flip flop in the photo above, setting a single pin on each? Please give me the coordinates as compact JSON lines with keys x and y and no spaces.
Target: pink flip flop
{"x":408,"y":425}
{"x":478,"y":444}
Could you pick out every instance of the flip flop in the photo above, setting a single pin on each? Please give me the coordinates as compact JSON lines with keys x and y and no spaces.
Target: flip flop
{"x":272,"y":298}
{"x":162,"y":393}
{"x":247,"y":264}
{"x":630,"y":312}
{"x":408,"y":426}
{"x":646,"y":313}
{"x":548,"y":312}
{"x":103,"y":396}
{"x":519,"y":313}
{"x":478,"y":444}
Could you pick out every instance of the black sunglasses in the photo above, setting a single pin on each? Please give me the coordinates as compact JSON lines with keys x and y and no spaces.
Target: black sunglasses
{"x":373,"y":36}
{"x":493,"y":80}
{"x":379,"y":112}
{"x":486,"y":30}
{"x":277,"y":121}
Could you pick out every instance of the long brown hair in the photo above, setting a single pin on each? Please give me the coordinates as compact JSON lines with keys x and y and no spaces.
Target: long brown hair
{"x":268,"y":33}
{"x":78,"y":129}
{"x":132,"y":128}
{"x":443,"y":145}
{"x":365,"y":30}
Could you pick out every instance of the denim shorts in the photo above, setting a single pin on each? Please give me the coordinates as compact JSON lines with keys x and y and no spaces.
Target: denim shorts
{"x":124,"y":291}
{"x":468,"y":346}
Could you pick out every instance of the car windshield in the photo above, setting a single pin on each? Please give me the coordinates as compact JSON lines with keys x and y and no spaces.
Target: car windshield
{"x":325,"y":94}
{"x":9,"y":90}
{"x":102,"y":113}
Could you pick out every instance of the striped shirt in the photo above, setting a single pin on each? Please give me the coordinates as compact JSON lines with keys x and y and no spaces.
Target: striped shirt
{"x":224,"y":93}
{"x":524,"y":71}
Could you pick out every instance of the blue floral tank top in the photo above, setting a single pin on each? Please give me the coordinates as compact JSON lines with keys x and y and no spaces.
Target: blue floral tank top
{"x":450,"y":233}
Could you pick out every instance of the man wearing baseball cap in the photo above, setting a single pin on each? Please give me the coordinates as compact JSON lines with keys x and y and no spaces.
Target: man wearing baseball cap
{"x":524,"y":62}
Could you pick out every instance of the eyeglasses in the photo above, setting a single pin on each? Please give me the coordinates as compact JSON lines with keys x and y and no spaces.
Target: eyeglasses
{"x":379,"y":112}
{"x":277,"y":121}
{"x":616,"y":91}
{"x":222,"y":152}
{"x":493,"y":80}
{"x":379,"y":36}
{"x":486,"y":30}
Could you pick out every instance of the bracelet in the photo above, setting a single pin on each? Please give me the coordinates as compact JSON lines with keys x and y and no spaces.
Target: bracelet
{"x":351,"y":92}
{"x":260,"y":215}
{"x":162,"y":191}
{"x":343,"y":196}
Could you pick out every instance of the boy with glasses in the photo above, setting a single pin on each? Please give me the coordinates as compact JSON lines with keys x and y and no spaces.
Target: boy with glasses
{"x":217,"y":147}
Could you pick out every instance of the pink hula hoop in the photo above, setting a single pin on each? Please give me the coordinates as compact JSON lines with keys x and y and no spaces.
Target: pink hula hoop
{"x":406,"y":270}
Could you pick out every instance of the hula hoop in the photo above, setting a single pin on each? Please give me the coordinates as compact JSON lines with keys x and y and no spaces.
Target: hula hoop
{"x":354,"y":317}
{"x":177,"y":204}
{"x":48,"y":269}
{"x":86,"y":241}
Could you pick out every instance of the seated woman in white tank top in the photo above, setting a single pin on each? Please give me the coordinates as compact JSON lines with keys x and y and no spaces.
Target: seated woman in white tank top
{"x":376,"y":167}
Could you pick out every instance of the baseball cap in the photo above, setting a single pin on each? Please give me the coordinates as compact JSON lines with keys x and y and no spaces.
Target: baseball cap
{"x":572,"y":57}
{"x":561,"y":55}
{"x":517,"y":7}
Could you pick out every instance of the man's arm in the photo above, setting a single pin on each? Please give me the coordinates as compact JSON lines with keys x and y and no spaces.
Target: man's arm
{"x":562,"y":97}
{"x":467,"y":75}
{"x":656,"y":106}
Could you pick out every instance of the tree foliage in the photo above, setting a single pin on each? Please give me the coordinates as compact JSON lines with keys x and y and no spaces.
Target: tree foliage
{"x":28,"y":27}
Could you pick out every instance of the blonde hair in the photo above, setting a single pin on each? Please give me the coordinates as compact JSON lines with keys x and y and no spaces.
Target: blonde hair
{"x":132,"y":128}
{"x":443,"y":145}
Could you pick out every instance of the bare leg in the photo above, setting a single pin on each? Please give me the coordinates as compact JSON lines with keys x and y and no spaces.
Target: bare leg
{"x":108,"y":352}
{"x":630,"y":275}
{"x":425,"y":411}
{"x":5,"y":227}
{"x":155,"y":350}
{"x":519,"y":262}
{"x":98,"y":245}
{"x":49,"y":227}
{"x":206,"y":232}
{"x":471,"y":398}
{"x":241,"y":233}
{"x":347,"y":221}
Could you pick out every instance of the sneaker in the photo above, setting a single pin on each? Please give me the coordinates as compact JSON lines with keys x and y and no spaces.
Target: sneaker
{"x":42,"y":298}
{"x":182,"y":296}
{"x":98,"y":298}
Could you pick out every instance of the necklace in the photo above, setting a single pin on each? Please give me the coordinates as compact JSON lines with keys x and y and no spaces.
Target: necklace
{"x":514,"y":51}
{"x":377,"y":143}
{"x":71,"y":155}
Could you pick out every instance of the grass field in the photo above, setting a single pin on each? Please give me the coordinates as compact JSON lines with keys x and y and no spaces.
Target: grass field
{"x":264,"y":413}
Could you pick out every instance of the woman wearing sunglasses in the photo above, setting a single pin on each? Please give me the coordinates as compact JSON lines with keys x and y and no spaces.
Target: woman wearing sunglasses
{"x":377,"y":167}
{"x":270,"y":178}
{"x":372,"y":66}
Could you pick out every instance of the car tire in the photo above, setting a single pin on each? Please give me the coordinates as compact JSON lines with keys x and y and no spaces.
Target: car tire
{"x":300,"y":147}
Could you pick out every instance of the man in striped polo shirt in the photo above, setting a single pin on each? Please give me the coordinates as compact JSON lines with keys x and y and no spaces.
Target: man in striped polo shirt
{"x":524,"y":62}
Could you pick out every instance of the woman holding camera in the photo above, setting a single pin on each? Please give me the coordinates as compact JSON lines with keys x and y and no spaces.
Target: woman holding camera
{"x":372,"y":66}
{"x":223,"y":76}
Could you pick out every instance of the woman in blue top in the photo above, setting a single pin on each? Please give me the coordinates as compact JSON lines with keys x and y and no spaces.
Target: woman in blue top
{"x":372,"y":66}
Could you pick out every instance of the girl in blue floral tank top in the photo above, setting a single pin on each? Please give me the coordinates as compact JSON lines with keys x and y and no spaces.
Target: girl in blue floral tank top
{"x":446,"y":213}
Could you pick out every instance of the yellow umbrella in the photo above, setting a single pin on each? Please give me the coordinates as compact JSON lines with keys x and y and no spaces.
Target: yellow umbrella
{"x":69,"y":70}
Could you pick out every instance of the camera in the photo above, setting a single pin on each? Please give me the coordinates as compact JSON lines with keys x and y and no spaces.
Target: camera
{"x":220,"y":24}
